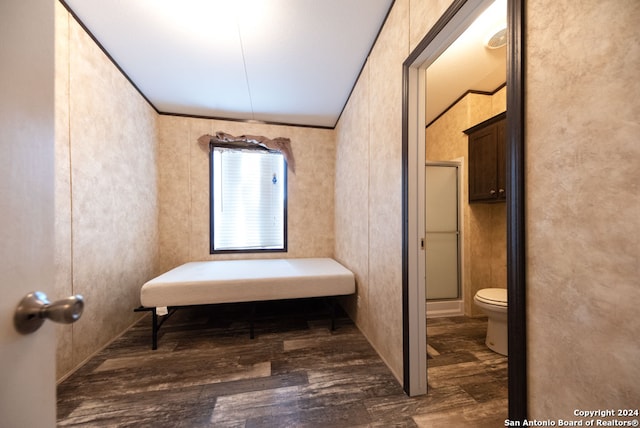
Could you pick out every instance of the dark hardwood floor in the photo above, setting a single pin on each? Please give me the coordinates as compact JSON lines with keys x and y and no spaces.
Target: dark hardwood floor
{"x":206,"y":372}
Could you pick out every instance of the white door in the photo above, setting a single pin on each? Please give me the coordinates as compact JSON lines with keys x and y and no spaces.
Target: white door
{"x":27,"y":362}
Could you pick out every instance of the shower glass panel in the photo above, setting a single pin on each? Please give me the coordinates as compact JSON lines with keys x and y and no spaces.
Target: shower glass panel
{"x":442,"y":232}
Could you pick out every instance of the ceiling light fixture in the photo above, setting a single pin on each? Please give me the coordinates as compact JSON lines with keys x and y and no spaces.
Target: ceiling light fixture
{"x":497,"y":39}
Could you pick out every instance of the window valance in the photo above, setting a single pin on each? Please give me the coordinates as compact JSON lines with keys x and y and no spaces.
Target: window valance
{"x":280,"y":144}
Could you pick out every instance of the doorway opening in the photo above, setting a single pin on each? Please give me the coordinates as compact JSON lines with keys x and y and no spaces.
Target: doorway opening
{"x":453,"y":22}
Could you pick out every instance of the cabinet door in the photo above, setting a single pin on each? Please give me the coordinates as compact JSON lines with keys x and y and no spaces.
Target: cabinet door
{"x":501,"y":173}
{"x":483,"y":184}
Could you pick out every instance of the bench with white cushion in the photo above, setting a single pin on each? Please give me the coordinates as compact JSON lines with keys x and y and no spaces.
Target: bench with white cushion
{"x":233,"y":281}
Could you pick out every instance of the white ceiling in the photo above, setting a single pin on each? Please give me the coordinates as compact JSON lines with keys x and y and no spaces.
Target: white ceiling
{"x":284,"y":61}
{"x":279,"y":61}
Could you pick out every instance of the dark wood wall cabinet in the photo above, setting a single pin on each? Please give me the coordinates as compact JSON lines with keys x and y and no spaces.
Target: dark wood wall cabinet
{"x":487,"y":168}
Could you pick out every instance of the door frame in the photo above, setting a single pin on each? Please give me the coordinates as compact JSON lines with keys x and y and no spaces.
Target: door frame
{"x":459,"y":14}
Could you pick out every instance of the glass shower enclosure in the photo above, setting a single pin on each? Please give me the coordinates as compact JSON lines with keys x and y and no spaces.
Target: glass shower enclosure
{"x":442,"y":240}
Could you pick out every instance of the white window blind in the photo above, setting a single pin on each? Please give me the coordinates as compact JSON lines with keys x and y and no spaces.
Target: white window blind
{"x":249,"y":193}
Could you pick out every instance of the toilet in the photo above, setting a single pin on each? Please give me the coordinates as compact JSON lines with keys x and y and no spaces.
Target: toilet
{"x":493,"y":302}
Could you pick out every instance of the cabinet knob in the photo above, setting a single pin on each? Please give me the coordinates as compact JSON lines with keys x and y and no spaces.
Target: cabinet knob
{"x":492,"y":192}
{"x":501,"y":191}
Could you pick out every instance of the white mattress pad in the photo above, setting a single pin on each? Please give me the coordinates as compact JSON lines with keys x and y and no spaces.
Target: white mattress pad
{"x":228,"y":281}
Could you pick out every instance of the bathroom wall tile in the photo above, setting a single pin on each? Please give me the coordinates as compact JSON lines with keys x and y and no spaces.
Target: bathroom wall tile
{"x":444,"y":137}
{"x":499,"y":101}
{"x":481,"y":251}
{"x":498,"y":224}
{"x":480,"y":108}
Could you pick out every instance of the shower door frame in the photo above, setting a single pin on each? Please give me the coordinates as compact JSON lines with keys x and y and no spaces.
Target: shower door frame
{"x":459,"y":165}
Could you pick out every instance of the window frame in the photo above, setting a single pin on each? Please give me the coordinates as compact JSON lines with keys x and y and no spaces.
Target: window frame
{"x":285,"y":177}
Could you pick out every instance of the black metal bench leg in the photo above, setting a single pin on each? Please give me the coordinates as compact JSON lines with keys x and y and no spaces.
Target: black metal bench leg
{"x":333,"y":314}
{"x":154,"y":329}
{"x":253,"y":313}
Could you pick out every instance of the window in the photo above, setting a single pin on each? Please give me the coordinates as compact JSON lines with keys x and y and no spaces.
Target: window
{"x":248,"y":200}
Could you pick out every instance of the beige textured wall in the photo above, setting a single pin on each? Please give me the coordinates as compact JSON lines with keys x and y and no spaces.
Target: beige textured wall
{"x":583,"y":205}
{"x":183,"y":171}
{"x":63,"y":252}
{"x":352,"y":197}
{"x":368,"y":197}
{"x":484,"y":225}
{"x":368,"y":214}
{"x":423,"y":14}
{"x":106,"y":193}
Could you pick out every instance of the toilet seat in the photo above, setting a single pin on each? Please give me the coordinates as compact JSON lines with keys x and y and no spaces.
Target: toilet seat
{"x":492,"y":296}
